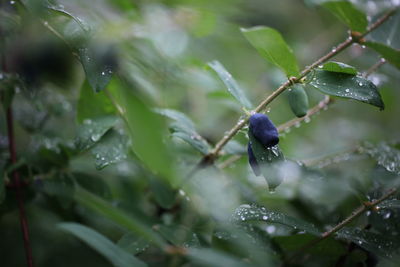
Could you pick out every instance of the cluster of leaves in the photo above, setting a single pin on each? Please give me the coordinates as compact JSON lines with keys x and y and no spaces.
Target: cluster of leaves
{"x":107,"y":168}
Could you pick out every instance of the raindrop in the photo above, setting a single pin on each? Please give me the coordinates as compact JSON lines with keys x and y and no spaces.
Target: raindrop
{"x":307,"y":119}
{"x":271,"y":229}
{"x":95,"y":137}
{"x":387,"y":215}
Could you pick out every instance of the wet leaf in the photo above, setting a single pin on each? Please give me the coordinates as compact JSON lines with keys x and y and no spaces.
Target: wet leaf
{"x":102,"y":245}
{"x":184,"y":128}
{"x":112,"y":148}
{"x":355,"y":19}
{"x":92,"y":130}
{"x":191,"y":137}
{"x":179,"y":235}
{"x":248,"y":213}
{"x":340,"y":67}
{"x":92,"y":105}
{"x":385,"y":155}
{"x":389,"y":204}
{"x":133,"y":244}
{"x":270,"y":44}
{"x":377,"y":244}
{"x":120,"y":217}
{"x":390,"y":54}
{"x":61,"y":10}
{"x":230,"y":83}
{"x":144,"y":125}
{"x":328,"y":247}
{"x":387,"y":33}
{"x":178,"y":116}
{"x":99,"y":63}
{"x":269,"y":160}
{"x":347,"y":86}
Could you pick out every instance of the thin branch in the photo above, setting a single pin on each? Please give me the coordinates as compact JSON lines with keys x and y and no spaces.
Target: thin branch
{"x":374,"y":67}
{"x":357,"y":212}
{"x":242,"y":122}
{"x":322,"y":105}
{"x":18,"y":192}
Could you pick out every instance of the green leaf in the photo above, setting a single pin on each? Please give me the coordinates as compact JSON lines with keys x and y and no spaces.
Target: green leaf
{"x":269,"y":159}
{"x":355,"y":19}
{"x":347,"y":86}
{"x":2,"y":186}
{"x":230,"y":83}
{"x":61,"y":187}
{"x":92,"y":105}
{"x":184,"y":129}
{"x":270,"y":44}
{"x":116,"y":215}
{"x":298,"y":100}
{"x":111,"y":149}
{"x":385,"y":155}
{"x":92,"y":130}
{"x":133,"y":244}
{"x":99,"y":63}
{"x":179,"y":235}
{"x":164,"y":194}
{"x":61,"y":10}
{"x":146,"y":129}
{"x":93,"y":184}
{"x":387,"y":33}
{"x":380,"y":245}
{"x":390,"y":204}
{"x":178,"y":116}
{"x":247,"y":213}
{"x":102,"y":245}
{"x":210,"y":257}
{"x":340,"y":67}
{"x":7,"y":84}
{"x":390,"y":54}
{"x":191,"y":137}
{"x":328,"y":247}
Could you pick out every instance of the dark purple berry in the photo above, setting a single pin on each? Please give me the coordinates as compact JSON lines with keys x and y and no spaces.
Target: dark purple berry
{"x":253,"y":161}
{"x":263,"y":130}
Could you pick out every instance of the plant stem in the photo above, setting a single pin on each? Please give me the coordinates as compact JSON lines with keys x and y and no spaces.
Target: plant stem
{"x":18,"y":192}
{"x":312,"y":111}
{"x":210,"y":158}
{"x":374,"y":67}
{"x":322,"y":105}
{"x":357,"y":212}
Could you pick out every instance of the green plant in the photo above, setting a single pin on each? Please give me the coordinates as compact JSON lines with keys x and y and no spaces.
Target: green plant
{"x":111,"y":119}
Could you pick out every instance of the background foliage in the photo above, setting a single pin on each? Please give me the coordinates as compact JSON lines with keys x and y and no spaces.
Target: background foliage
{"x":116,"y":102}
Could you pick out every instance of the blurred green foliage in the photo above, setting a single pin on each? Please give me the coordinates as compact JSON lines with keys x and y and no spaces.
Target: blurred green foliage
{"x":115,"y":103}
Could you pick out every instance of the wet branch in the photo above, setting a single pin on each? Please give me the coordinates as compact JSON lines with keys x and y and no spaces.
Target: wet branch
{"x":210,"y":158}
{"x":370,"y":205}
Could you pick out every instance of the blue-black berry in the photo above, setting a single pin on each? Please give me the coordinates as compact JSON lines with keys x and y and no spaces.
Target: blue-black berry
{"x":264,"y":131}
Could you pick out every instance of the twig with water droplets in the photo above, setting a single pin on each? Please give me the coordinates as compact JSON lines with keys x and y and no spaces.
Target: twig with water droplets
{"x":369,"y":205}
{"x":210,"y":157}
